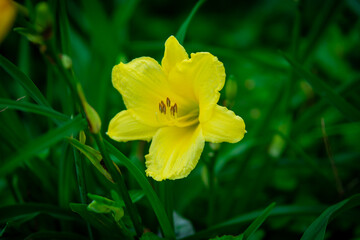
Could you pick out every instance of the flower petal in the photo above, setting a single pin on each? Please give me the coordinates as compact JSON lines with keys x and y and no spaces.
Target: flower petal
{"x":174,"y":53}
{"x":200,"y":78}
{"x":142,"y":84}
{"x":174,"y":152}
{"x":223,"y":126}
{"x":124,"y":127}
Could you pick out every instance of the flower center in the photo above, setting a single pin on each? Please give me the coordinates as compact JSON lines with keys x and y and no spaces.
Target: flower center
{"x":170,"y":115}
{"x":173,"y":109}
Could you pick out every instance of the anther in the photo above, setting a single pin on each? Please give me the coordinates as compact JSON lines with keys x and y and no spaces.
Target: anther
{"x":175,"y":108}
{"x":163,"y":107}
{"x":160,"y":107}
{"x":172,"y":111}
{"x":168,"y":102}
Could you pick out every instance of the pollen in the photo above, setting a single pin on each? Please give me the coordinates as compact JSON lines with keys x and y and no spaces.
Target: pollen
{"x":173,"y":108}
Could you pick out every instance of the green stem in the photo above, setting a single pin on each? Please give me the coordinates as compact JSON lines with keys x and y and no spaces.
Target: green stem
{"x":119,"y":184}
{"x":166,"y":195}
{"x":147,"y":188}
{"x":79,"y":166}
{"x":212,"y":189}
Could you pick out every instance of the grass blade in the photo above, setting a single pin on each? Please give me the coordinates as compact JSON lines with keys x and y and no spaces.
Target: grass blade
{"x":316,"y":231}
{"x":258,"y":221}
{"x":20,"y":211}
{"x":23,"y":80}
{"x":326,"y":91}
{"x":53,"y":136}
{"x":55,"y":236}
{"x":148,"y":190}
{"x":99,"y":221}
{"x":64,"y":28}
{"x":180,"y":35}
{"x":234,"y":224}
{"x":33,"y":108}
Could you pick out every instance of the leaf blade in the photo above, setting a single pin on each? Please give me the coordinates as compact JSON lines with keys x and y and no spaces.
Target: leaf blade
{"x":180,"y":35}
{"x":33,"y":108}
{"x":318,"y":228}
{"x":23,"y":80}
{"x":326,"y":91}
{"x":42,"y":142}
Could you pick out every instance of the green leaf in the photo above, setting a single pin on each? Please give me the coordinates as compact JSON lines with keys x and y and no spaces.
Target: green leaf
{"x":64,"y":28}
{"x":234,"y":224}
{"x":20,"y":211}
{"x":99,"y":221}
{"x":23,"y":80}
{"x":258,"y":221}
{"x":180,"y":35}
{"x":135,"y":196}
{"x":147,"y":188}
{"x":71,"y":127}
{"x":101,"y":207}
{"x":93,"y":155}
{"x":150,"y":236}
{"x":104,"y":205}
{"x":326,"y":91}
{"x":33,"y":108}
{"x":55,"y":236}
{"x":317,"y":229}
{"x":229,"y":237}
{"x":66,"y":177}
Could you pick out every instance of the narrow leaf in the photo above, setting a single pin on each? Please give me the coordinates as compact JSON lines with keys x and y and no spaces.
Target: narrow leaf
{"x":258,"y":221}
{"x":148,"y":190}
{"x":33,"y":108}
{"x":316,"y":231}
{"x":180,"y":35}
{"x":71,"y":127}
{"x":23,"y":80}
{"x":99,"y":221}
{"x":234,"y":224}
{"x":45,"y":235}
{"x":93,"y":155}
{"x":326,"y":91}
{"x":21,"y":211}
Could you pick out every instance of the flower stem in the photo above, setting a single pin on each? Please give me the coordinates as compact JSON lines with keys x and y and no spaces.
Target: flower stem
{"x":119,"y":184}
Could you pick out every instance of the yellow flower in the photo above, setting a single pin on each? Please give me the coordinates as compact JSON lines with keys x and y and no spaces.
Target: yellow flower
{"x":175,"y":105}
{"x":7,"y":17}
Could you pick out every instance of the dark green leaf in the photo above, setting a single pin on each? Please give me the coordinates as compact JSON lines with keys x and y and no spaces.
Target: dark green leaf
{"x":234,"y":224}
{"x":99,"y":221}
{"x":147,"y":188}
{"x":258,"y":221}
{"x":21,"y":211}
{"x":180,"y":35}
{"x":326,"y":91}
{"x":71,"y":127}
{"x":46,"y":235}
{"x":316,"y":231}
{"x":23,"y":80}
{"x":33,"y":108}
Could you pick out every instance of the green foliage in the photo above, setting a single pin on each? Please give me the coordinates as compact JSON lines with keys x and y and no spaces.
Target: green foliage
{"x":317,"y":229}
{"x":292,"y":75}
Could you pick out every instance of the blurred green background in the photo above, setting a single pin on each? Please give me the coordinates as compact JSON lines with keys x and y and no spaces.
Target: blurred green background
{"x":302,"y":114}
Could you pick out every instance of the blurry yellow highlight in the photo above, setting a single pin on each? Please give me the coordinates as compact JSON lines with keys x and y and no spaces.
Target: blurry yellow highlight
{"x":7,"y":17}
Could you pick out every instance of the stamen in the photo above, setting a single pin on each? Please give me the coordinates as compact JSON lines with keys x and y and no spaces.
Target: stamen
{"x":168,"y":102}
{"x":163,"y":107}
{"x":175,"y":108}
{"x":160,"y":107}
{"x":172,"y":111}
